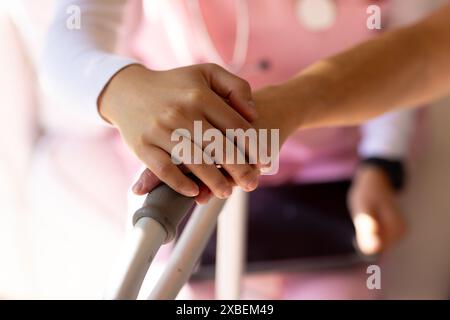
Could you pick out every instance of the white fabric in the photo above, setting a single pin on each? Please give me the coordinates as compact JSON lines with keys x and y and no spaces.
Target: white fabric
{"x":78,"y":63}
{"x":387,"y":136}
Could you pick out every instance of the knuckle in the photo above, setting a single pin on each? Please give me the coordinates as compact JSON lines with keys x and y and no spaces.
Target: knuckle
{"x":243,"y":85}
{"x":154,"y":128}
{"x":195,"y":96}
{"x":247,"y":174}
{"x":173,"y":114}
{"x":212,"y":66}
{"x":164,"y":170}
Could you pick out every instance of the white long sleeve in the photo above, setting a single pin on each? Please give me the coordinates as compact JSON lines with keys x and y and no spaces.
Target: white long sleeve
{"x":78,"y":63}
{"x":388,"y":136}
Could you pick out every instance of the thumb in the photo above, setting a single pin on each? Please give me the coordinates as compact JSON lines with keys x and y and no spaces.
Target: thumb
{"x":147,"y":182}
{"x":367,"y":233}
{"x":232,"y":88}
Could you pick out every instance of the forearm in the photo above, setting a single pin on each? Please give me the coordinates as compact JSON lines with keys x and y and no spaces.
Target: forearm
{"x":406,"y":67}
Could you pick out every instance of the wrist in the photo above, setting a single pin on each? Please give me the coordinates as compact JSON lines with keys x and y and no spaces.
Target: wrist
{"x":393,"y":170}
{"x":288,"y":107}
{"x":304,"y":101}
{"x":113,"y":97}
{"x":272,"y":111}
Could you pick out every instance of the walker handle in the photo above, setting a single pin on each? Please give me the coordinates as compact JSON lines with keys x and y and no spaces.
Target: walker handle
{"x":167,"y":207}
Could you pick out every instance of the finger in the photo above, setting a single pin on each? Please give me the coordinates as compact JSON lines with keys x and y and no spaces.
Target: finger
{"x":147,"y":182}
{"x":212,"y":178}
{"x":199,"y":163}
{"x":232,"y":88}
{"x":243,"y":174}
{"x":234,"y":126}
{"x":204,"y":195}
{"x":367,"y":233}
{"x":219,"y":149}
{"x":160,"y":163}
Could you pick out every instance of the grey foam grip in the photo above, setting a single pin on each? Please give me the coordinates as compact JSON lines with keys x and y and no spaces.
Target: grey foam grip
{"x":166,"y":206}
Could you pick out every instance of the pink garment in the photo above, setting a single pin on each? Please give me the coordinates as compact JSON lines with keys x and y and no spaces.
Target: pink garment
{"x":278,"y":39}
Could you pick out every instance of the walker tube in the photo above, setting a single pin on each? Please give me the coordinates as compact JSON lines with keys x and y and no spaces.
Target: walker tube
{"x":188,"y":250}
{"x":154,"y":224}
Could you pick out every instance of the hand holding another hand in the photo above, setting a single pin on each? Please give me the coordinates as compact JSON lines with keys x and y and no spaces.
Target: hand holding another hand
{"x":269,"y":117}
{"x":148,"y":106}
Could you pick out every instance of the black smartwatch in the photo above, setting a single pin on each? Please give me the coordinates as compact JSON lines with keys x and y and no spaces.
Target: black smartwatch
{"x":394,"y":169}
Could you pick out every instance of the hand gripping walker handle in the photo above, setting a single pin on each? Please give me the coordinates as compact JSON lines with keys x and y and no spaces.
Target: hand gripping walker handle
{"x":167,"y":207}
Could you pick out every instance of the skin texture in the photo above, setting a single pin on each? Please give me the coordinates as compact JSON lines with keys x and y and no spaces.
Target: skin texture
{"x":147,"y":106}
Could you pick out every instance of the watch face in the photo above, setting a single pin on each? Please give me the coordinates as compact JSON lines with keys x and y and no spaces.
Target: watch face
{"x":316,"y":15}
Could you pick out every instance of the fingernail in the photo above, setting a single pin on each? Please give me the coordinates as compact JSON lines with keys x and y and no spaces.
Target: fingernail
{"x":137,"y":187}
{"x":253,"y":184}
{"x":251,"y":103}
{"x":227,"y":193}
{"x":191,"y":191}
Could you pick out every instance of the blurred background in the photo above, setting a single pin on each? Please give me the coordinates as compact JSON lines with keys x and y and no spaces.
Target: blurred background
{"x":52,"y":245}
